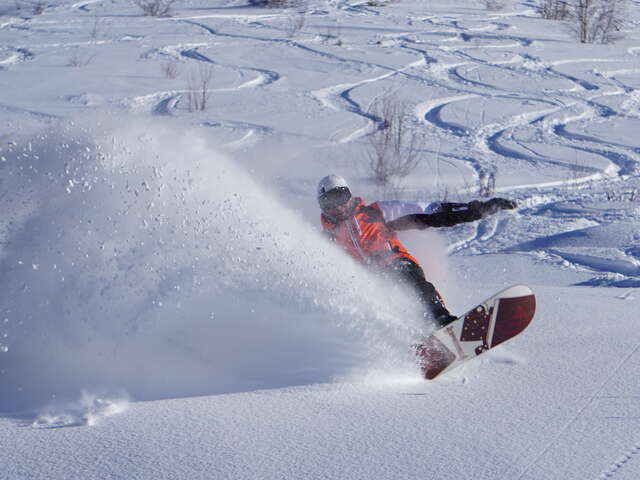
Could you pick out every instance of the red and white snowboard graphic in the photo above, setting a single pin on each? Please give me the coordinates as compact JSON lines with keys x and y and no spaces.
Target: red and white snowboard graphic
{"x":494,"y":321}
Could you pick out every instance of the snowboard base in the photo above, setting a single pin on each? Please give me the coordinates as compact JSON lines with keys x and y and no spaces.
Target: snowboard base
{"x":491,"y":323}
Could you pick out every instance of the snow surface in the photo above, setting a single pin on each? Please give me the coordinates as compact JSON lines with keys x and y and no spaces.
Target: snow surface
{"x":169,"y":308}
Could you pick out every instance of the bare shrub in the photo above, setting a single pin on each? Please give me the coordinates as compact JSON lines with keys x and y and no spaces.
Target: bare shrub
{"x":598,"y":21}
{"x":155,"y":8}
{"x":493,"y":5}
{"x":170,"y":69}
{"x":394,"y":148}
{"x":554,"y":9}
{"x":39,"y":7}
{"x":618,"y":196}
{"x":96,"y":29}
{"x":294,"y":23}
{"x":77,"y":59}
{"x":198,"y":88}
{"x":593,"y":21}
{"x":281,"y":3}
{"x":486,"y":183}
{"x":332,"y":36}
{"x":36,"y":7}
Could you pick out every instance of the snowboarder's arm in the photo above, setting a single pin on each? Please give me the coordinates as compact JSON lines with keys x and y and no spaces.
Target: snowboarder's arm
{"x":450,"y":214}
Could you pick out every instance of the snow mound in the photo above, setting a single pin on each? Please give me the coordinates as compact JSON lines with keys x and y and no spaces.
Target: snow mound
{"x":135,"y":257}
{"x":87,"y":99}
{"x":88,"y":411}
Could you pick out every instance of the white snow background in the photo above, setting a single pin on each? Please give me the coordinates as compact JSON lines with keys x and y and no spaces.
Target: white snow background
{"x":169,"y":308}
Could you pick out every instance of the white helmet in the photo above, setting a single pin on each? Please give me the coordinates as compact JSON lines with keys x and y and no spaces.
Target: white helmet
{"x":331,"y":182}
{"x":333,"y":190}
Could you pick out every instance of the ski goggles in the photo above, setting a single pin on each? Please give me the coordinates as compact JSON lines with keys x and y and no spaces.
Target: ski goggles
{"x":334,"y":198}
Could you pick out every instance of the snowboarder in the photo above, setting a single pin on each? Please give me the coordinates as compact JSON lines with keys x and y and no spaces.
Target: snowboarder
{"x":368,"y":233}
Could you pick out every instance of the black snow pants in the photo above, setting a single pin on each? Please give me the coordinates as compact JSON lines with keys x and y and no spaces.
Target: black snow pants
{"x":413,"y":276}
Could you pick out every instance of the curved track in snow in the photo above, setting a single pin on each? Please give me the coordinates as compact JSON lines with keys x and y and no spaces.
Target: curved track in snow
{"x":490,"y":138}
{"x":491,"y":95}
{"x":260,"y":77}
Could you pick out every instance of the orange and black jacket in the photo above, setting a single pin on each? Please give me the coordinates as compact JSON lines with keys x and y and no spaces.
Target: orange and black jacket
{"x":367,"y":237}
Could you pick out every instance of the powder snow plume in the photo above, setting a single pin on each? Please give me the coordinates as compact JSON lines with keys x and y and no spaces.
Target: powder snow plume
{"x":135,"y":258}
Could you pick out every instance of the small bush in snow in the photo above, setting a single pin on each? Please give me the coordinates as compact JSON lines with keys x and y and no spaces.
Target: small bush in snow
{"x":155,"y":8}
{"x":294,"y":23}
{"x":598,"y":21}
{"x":616,"y":196}
{"x":493,"y":5}
{"x":281,"y":3}
{"x":593,"y":21}
{"x":96,"y":29}
{"x":554,"y":9}
{"x":78,"y":59}
{"x":486,"y":183}
{"x":332,"y":36}
{"x":198,"y":88}
{"x":39,"y":7}
{"x":36,"y":7}
{"x":394,"y":148}
{"x":170,"y":69}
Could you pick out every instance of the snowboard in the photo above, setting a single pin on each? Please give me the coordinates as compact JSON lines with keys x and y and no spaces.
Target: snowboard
{"x":491,"y":323}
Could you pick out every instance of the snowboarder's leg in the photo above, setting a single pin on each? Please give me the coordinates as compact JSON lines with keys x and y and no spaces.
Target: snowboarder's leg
{"x":413,"y":275}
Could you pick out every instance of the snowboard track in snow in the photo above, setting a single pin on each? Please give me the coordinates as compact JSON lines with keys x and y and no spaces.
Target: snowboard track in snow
{"x":622,"y":462}
{"x":556,"y":438}
{"x":497,"y":139}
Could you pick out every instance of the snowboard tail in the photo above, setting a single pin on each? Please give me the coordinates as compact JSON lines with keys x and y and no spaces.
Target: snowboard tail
{"x":491,"y":323}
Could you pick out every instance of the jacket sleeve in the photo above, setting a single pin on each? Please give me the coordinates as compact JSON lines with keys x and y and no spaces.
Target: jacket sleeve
{"x":450,"y":214}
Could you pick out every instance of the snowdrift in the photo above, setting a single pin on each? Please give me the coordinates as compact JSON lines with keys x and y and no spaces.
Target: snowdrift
{"x":136,"y":258}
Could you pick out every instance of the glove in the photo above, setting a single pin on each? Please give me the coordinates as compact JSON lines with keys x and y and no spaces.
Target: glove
{"x":496,"y":204}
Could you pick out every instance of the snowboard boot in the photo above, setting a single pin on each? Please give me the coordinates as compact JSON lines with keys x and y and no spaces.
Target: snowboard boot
{"x":442,"y":317}
{"x":444,"y":320}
